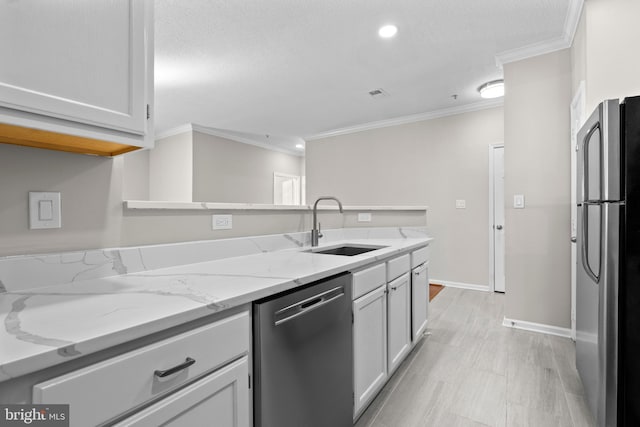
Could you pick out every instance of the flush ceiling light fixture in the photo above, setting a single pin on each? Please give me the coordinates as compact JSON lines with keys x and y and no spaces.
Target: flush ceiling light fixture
{"x":493,"y":89}
{"x":387,"y":31}
{"x":299,"y":146}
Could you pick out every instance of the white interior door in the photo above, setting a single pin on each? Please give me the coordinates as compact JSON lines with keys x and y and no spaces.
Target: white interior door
{"x":577,"y":120}
{"x":286,"y":189}
{"x":496,"y":217}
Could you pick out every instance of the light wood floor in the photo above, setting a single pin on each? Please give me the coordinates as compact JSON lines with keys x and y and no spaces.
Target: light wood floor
{"x":434,"y":289}
{"x":472,"y":371}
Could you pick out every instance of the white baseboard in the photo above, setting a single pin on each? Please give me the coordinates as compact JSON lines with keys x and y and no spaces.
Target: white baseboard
{"x":537,"y":327}
{"x":461,"y":285}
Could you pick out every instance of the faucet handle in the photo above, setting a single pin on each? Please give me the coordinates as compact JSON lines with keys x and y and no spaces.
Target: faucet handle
{"x":319,"y":230}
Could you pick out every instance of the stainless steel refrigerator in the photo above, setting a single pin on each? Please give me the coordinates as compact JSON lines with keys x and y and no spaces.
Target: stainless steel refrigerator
{"x":608,"y":270}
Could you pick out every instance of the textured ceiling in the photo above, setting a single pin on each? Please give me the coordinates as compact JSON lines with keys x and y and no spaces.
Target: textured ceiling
{"x":300,"y":68}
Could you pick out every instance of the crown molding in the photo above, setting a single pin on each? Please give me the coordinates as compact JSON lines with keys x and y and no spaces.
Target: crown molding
{"x":564,"y":41}
{"x":573,"y":19}
{"x":245,"y":139}
{"x":476,"y":106}
{"x":174,"y":131}
{"x":531,"y":50}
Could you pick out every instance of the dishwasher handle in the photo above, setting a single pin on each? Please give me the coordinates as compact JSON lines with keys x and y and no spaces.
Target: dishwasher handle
{"x":307,"y":305}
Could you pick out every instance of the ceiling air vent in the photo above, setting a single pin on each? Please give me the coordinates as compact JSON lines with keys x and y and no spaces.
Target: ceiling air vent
{"x":378,"y":93}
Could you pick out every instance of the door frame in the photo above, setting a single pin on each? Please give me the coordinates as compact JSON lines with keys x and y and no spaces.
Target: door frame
{"x":297,"y":187}
{"x":578,"y":117}
{"x":492,"y":264}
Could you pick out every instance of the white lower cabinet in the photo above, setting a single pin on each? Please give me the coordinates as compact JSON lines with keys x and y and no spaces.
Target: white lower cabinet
{"x":369,"y":347}
{"x":382,"y":320}
{"x":419,"y":300}
{"x":221,"y":399}
{"x":398,"y":320}
{"x":211,"y":361}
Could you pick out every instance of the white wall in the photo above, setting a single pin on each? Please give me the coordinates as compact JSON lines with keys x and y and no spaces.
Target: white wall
{"x":612,"y":58}
{"x":149,"y":227}
{"x":171,"y":168}
{"x":433,"y":163}
{"x":537,"y":164}
{"x":92,"y":212}
{"x":91,"y":199}
{"x":579,"y":54}
{"x":234,"y":172}
{"x":136,"y":175}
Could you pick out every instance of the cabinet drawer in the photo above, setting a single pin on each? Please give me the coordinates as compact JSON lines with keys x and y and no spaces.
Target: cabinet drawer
{"x":397,"y":267}
{"x":367,"y":280}
{"x":102,"y":391}
{"x":221,"y":398}
{"x":419,"y":256}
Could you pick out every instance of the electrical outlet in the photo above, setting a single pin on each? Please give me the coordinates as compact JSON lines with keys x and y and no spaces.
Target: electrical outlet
{"x":461,"y":204}
{"x":364,"y":217}
{"x":222,"y":222}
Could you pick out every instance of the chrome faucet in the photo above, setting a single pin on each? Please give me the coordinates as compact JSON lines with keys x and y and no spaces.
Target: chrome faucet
{"x":315,"y":231}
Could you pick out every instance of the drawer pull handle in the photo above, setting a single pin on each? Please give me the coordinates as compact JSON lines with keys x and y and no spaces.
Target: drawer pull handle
{"x":188,"y":362}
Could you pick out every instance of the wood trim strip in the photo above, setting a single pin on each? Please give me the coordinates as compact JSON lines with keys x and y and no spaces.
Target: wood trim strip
{"x":36,"y":138}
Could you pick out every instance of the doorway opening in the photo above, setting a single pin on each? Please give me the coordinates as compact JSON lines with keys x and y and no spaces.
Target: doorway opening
{"x":286,"y":189}
{"x":496,"y":218}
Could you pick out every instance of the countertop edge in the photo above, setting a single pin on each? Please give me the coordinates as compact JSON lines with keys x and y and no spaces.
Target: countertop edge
{"x":160,"y":205}
{"x":55,"y":356}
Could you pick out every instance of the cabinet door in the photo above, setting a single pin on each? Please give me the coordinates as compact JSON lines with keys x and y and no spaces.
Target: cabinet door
{"x":399,"y":321}
{"x":220,"y":399}
{"x":83,"y":61}
{"x":419,"y":300}
{"x":369,"y":346}
{"x":130,"y":380}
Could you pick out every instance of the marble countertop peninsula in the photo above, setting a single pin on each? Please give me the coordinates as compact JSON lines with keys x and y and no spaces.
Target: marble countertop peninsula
{"x":99,"y":299}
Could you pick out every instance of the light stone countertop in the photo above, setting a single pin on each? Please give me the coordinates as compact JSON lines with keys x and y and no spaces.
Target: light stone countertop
{"x":47,"y":326}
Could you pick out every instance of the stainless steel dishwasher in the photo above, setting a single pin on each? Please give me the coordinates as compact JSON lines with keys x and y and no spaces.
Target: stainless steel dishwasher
{"x":303,"y":356}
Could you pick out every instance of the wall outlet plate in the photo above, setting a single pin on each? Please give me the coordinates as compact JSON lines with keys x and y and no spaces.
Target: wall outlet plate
{"x":461,"y":204}
{"x":222,"y":222}
{"x":518,"y":201}
{"x":364,"y":217}
{"x":44,"y":210}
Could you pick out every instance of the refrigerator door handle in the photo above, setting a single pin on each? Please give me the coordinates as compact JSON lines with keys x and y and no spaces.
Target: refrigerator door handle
{"x":585,"y":177}
{"x":584,"y":249}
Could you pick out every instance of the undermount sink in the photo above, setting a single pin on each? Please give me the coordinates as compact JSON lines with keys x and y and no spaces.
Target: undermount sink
{"x":347,"y":250}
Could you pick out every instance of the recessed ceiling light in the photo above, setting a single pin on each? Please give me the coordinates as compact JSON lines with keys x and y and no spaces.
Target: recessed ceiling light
{"x":387,"y":31}
{"x":299,"y":146}
{"x":493,"y":89}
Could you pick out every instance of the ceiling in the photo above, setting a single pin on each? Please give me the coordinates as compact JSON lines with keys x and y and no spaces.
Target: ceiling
{"x":294,"y":69}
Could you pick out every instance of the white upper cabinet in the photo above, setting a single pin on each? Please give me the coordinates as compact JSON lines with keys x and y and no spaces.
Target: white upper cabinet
{"x":78,"y":67}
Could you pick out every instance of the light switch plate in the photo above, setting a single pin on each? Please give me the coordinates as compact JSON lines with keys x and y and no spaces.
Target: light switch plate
{"x":461,"y":204}
{"x":222,"y":222}
{"x":364,"y":217}
{"x":518,"y":201}
{"x":44,"y":210}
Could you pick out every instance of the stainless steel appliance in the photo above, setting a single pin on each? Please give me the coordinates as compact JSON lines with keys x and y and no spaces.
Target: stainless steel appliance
{"x":303,"y":356}
{"x":608,"y":270}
